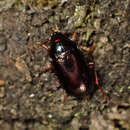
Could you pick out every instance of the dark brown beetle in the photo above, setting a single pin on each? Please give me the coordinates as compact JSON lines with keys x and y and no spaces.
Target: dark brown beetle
{"x":77,"y":76}
{"x":69,"y":65}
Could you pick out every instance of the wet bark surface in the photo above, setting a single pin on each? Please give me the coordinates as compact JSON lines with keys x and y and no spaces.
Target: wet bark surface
{"x":30,"y":99}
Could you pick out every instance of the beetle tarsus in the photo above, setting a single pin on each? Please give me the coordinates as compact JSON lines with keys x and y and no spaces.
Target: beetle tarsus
{"x":86,"y":50}
{"x":47,"y":68}
{"x":63,"y":100}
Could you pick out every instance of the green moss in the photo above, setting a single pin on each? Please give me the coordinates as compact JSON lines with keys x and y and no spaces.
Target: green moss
{"x":125,"y":124}
{"x":121,"y":89}
{"x":88,"y":35}
{"x":79,"y":16}
{"x":46,"y":2}
{"x":34,"y":3}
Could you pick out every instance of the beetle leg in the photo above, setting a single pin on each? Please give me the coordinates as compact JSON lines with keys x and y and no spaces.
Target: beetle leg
{"x":31,"y":48}
{"x":47,"y":68}
{"x":91,"y":65}
{"x":74,"y":36}
{"x":101,"y":90}
{"x":63,"y":100}
{"x":42,"y":45}
{"x":86,"y":50}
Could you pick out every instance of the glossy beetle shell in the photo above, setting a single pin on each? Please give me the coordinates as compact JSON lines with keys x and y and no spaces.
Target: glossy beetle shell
{"x":73,"y":72}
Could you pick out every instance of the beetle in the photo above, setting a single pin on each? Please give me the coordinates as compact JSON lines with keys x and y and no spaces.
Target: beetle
{"x":76,"y":75}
